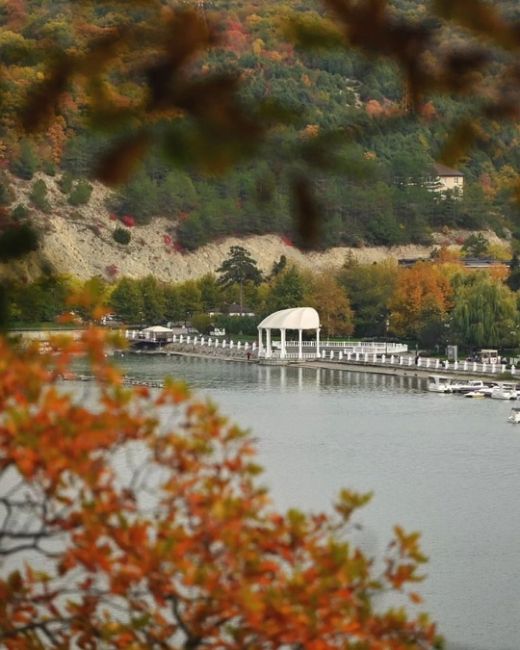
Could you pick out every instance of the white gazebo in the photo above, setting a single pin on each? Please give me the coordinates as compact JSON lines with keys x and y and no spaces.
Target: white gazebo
{"x":297,"y":318}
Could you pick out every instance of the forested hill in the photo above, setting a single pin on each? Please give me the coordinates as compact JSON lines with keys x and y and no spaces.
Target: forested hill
{"x":378,"y":192}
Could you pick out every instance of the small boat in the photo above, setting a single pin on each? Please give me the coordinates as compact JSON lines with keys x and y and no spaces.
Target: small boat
{"x":468,"y":386}
{"x":439,"y":384}
{"x":505,"y":390}
{"x":515,"y":416}
{"x":476,"y":393}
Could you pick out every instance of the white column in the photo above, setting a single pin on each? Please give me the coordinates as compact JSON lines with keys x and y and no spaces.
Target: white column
{"x":268,"y":350}
{"x":259,"y":339}
{"x":283,"y":351}
{"x":318,"y":342}
{"x":300,"y":351}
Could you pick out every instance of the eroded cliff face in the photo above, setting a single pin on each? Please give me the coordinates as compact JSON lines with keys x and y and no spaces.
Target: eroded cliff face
{"x":77,"y":241}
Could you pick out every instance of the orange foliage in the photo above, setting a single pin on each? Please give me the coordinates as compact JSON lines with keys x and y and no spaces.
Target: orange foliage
{"x":421,"y":291}
{"x":136,"y":521}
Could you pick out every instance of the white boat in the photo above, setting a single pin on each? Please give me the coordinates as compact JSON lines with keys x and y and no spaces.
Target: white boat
{"x":476,"y":394}
{"x":505,"y":390}
{"x":439,"y":384}
{"x":467,"y":386}
{"x":515,"y":416}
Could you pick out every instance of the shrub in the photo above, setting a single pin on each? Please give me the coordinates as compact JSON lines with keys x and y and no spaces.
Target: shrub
{"x":122,"y":236}
{"x":65,"y":183}
{"x":49,"y":168}
{"x":38,"y":196}
{"x":20,"y":212}
{"x":26,"y":164}
{"x":80,"y":195}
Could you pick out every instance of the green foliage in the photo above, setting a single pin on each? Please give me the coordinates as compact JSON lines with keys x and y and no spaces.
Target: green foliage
{"x":122,"y":235}
{"x":127,"y":301}
{"x":238,"y":325}
{"x":49,"y":168}
{"x":38,"y":196}
{"x":65,"y":182}
{"x":476,"y":246}
{"x":287,"y":290}
{"x":80,"y":194}
{"x":20,"y":212}
{"x":202,"y":323}
{"x":25,"y":165}
{"x":239,"y":268}
{"x":139,"y":198}
{"x":17,"y":241}
{"x":485,"y":313}
{"x":40,"y":301}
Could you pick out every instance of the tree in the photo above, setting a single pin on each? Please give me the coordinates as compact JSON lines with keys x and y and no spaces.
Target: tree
{"x":485,"y":312}
{"x":287,"y":290}
{"x":370,"y":288}
{"x":127,"y":301}
{"x":26,"y":164}
{"x":422,"y":293}
{"x":476,"y":246}
{"x":330,"y":300}
{"x":239,"y":268}
{"x":158,"y":534}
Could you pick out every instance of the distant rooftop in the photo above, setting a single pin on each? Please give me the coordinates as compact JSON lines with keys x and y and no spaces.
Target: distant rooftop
{"x":442,"y":170}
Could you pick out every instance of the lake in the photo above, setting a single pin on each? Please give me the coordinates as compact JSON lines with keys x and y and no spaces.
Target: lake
{"x":442,"y":464}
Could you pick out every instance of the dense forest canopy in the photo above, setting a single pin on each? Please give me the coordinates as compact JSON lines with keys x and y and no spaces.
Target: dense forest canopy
{"x":375,"y":184}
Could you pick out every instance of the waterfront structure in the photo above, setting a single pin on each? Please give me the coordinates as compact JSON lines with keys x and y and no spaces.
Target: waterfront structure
{"x":296,"y":318}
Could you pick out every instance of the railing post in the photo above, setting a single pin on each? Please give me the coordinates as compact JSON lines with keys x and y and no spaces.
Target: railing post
{"x":332,"y":354}
{"x":493,"y":367}
{"x":224,"y":343}
{"x":383,"y":358}
{"x":428,"y":362}
{"x":340,"y":355}
{"x":474,"y":366}
{"x":483,"y":367}
{"x":513,"y":370}
{"x":180,"y":339}
{"x":231,"y":344}
{"x":465,"y":366}
{"x":455,"y":365}
{"x":437,"y":363}
{"x":503,"y":367}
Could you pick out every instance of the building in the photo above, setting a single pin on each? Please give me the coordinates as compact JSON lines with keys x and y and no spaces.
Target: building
{"x":448,"y":179}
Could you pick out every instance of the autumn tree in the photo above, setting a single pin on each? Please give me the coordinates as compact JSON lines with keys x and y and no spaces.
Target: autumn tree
{"x":423,"y":293}
{"x":330,"y":300}
{"x":137,"y":521}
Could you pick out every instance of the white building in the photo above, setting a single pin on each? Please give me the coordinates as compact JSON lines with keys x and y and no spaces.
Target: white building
{"x":448,"y":179}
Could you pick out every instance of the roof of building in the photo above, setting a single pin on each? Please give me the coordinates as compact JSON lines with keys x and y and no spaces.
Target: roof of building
{"x":442,"y":170}
{"x":297,"y":318}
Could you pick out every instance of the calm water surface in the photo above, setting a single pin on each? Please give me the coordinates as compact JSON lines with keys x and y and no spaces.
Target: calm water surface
{"x":442,"y":464}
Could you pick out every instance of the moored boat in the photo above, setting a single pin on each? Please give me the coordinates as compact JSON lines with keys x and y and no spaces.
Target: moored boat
{"x":439,"y":384}
{"x":514,"y":416}
{"x":505,"y":390}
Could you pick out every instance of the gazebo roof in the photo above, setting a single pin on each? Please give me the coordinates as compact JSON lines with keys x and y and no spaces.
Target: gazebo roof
{"x":157,"y":329}
{"x":297,"y":318}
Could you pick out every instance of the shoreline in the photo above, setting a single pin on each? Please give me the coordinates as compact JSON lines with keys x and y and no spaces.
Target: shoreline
{"x":346,"y":366}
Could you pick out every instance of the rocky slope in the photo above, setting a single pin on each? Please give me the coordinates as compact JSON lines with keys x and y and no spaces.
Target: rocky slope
{"x":78,"y":241}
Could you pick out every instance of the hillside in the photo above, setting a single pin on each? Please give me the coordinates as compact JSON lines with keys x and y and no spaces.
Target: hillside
{"x":78,"y":241}
{"x":372,"y":188}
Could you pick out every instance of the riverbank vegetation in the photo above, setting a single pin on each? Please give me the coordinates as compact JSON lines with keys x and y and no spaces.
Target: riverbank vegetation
{"x":432,"y":302}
